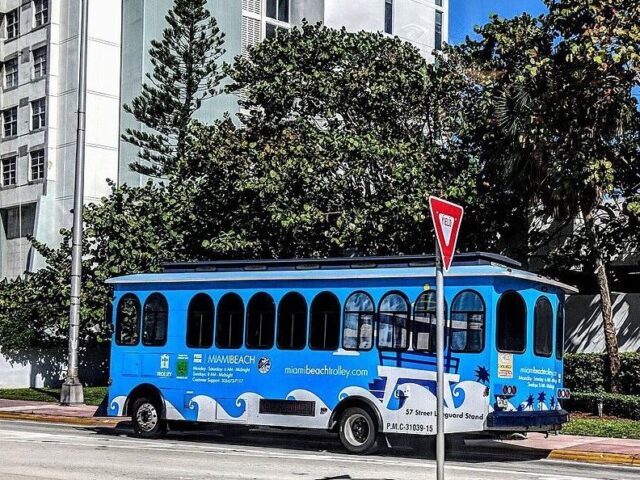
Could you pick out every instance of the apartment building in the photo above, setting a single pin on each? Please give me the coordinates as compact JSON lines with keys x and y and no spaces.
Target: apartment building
{"x":39,"y":47}
{"x":246,"y":22}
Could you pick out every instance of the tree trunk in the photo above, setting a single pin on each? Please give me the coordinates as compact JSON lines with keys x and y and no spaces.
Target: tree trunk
{"x":611,"y":339}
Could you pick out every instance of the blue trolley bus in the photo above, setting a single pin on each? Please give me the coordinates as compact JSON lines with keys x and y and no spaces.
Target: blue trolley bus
{"x":343,"y":344}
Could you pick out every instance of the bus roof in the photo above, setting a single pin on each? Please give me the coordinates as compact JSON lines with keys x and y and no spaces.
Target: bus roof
{"x":465,"y":265}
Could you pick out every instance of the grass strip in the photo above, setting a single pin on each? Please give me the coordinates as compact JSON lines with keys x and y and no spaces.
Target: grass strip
{"x":598,"y":427}
{"x":92,"y":395}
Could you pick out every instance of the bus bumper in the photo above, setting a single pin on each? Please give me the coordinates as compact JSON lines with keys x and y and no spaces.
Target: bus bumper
{"x":544,"y":421}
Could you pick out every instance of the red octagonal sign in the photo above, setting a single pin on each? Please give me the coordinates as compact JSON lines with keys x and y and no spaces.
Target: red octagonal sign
{"x":446,"y":218}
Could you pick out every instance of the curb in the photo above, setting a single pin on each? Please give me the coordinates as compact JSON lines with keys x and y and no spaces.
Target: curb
{"x":84,"y":421}
{"x":596,"y":457}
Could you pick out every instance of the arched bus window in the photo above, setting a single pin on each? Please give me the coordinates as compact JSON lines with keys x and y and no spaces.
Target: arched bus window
{"x":154,"y":321}
{"x":324,"y":331}
{"x":292,"y":322}
{"x":512,"y":323}
{"x":560,"y":332}
{"x":424,"y":322}
{"x":128,"y":320}
{"x":200,"y":322}
{"x":357,"y":332}
{"x":393,"y":322}
{"x":230,"y":324}
{"x":467,"y":322}
{"x":261,"y":321}
{"x":543,"y":328}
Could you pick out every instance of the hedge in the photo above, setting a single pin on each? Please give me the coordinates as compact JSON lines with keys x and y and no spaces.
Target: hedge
{"x":585,"y":372}
{"x":624,"y":406}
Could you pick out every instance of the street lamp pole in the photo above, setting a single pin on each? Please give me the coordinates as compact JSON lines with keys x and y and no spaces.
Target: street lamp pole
{"x":72,"y":393}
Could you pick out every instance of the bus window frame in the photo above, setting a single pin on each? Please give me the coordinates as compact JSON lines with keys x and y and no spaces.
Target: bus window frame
{"x":246,"y":322}
{"x":360,"y":313}
{"x":118,"y":329}
{"x":166,"y":323}
{"x":560,"y":314}
{"x":526,"y":323}
{"x":213,"y":322}
{"x":339,"y":343}
{"x":432,"y":343}
{"x":217,"y":321}
{"x":277,"y":326}
{"x":470,"y":312}
{"x":542,"y":299}
{"x":380,"y":312}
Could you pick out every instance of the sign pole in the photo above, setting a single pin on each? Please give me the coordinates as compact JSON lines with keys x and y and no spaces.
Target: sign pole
{"x":439,"y":364}
{"x":447,"y":218}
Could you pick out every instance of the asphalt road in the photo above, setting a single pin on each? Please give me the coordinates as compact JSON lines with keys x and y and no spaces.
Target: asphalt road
{"x":41,"y":451}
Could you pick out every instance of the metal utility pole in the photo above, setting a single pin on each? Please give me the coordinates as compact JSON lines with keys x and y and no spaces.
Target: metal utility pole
{"x":72,"y":393}
{"x":439,"y":364}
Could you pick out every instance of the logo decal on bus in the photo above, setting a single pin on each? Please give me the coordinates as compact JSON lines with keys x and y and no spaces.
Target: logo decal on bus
{"x":264,"y":365}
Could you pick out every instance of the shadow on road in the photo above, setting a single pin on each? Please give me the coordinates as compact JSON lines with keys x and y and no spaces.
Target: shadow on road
{"x":321,"y":441}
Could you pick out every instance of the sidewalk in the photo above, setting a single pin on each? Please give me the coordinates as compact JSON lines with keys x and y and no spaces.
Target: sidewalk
{"x":53,"y":412}
{"x":617,"y":451}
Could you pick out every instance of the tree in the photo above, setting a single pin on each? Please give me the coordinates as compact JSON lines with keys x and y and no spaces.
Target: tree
{"x":186,"y":72}
{"x":131,"y":230}
{"x":557,"y":116}
{"x":346,"y":136}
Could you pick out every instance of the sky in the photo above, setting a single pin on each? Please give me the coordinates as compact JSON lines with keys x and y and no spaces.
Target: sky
{"x":465,"y":14}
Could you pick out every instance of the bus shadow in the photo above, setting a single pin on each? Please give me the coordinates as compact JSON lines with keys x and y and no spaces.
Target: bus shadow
{"x":472,"y":451}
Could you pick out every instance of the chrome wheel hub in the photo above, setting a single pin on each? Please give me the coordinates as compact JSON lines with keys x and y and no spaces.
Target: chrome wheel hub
{"x":147,"y":417}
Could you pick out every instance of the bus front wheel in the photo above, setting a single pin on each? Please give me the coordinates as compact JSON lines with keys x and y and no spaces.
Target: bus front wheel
{"x":358,"y":431}
{"x":147,"y":419}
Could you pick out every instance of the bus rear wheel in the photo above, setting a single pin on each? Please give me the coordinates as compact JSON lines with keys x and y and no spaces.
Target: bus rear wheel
{"x":146,"y":418}
{"x":358,"y":431}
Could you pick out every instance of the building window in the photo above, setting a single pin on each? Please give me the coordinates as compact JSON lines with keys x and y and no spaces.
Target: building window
{"x":324,"y":332}
{"x":467,"y":322}
{"x":200,"y":322}
{"x":278,"y":10}
{"x":18,"y":222}
{"x":512,"y":323}
{"x":393,"y":320}
{"x":38,"y":114}
{"x":11,"y":24}
{"x":41,"y":12}
{"x":560,"y":332}
{"x":388,"y":16}
{"x":438,"y":3}
{"x":277,"y":17}
{"x":8,"y":171}
{"x":36,"y":172}
{"x":261,"y":319}
{"x":292,"y":322}
{"x":11,"y":73}
{"x":438,"y":30}
{"x":359,"y":312}
{"x":40,"y":62}
{"x":230,"y":323}
{"x":543,"y":328}
{"x":154,"y":321}
{"x":10,"y":122}
{"x":128,"y":320}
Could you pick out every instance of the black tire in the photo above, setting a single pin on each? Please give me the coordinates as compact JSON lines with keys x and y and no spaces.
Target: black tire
{"x":146,"y":417}
{"x":358,"y":431}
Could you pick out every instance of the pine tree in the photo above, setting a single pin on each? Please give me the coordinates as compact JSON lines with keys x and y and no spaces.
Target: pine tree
{"x":186,"y":71}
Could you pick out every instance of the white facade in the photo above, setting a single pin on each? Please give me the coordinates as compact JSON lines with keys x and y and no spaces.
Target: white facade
{"x":423,"y":23}
{"x":38,"y":199}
